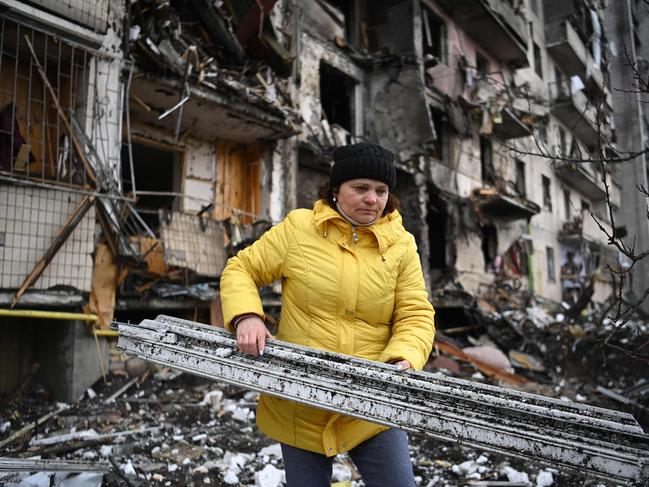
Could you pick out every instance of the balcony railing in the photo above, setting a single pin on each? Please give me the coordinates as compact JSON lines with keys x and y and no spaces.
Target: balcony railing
{"x":566,"y":47}
{"x":494,"y":24}
{"x":582,"y":178}
{"x":573,"y":108}
{"x":571,"y":54}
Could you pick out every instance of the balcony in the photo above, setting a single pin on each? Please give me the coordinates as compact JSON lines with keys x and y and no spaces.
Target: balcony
{"x":575,"y":111}
{"x":508,"y":122}
{"x":581,"y":178}
{"x":494,"y":25}
{"x":571,"y":54}
{"x":511,"y":126}
{"x":566,"y":47}
{"x":504,"y":207}
{"x":584,"y":229}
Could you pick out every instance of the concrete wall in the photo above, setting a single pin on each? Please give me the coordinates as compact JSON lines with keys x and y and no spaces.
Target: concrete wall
{"x":631,"y":130}
{"x":67,"y":356}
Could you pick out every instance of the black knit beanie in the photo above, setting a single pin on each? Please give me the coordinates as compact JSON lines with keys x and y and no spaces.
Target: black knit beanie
{"x":363,"y":160}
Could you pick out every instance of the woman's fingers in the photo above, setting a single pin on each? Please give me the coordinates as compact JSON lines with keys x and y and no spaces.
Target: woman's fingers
{"x":402,"y":365}
{"x":251,"y":336}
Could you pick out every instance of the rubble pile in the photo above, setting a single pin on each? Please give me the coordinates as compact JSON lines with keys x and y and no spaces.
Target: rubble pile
{"x":168,"y":428}
{"x":148,"y":425}
{"x":199,"y":41}
{"x":523,"y":341}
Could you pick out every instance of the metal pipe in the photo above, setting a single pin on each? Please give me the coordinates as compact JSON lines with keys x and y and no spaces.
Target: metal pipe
{"x":103,"y":332}
{"x":49,"y":315}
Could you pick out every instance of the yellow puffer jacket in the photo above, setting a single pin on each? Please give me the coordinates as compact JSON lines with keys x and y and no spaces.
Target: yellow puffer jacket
{"x":358,"y":293}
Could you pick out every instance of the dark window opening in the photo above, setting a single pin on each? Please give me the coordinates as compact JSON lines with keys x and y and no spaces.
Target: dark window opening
{"x":435,"y":42}
{"x":490,"y":247}
{"x":543,"y":133}
{"x":156,"y":169}
{"x":593,"y":260}
{"x":336,"y":96}
{"x":486,"y":160}
{"x":585,"y":207}
{"x":547,"y":193}
{"x":440,"y":149}
{"x":538,"y":64}
{"x":481,"y":66}
{"x":437,"y":220}
{"x":549,"y":254}
{"x":520,"y":178}
{"x":566,"y":204}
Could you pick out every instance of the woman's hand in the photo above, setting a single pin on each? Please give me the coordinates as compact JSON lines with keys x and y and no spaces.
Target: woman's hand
{"x":402,"y":364}
{"x":251,"y":335}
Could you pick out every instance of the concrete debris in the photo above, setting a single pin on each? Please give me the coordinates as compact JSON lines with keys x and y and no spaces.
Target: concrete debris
{"x":544,"y":478}
{"x":514,"y":475}
{"x":270,"y":476}
{"x":274,"y":450}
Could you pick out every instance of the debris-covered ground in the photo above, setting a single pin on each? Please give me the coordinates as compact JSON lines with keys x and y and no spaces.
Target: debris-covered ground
{"x":157,"y":426}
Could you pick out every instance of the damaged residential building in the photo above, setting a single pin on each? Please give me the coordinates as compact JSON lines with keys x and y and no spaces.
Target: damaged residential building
{"x":146,"y":141}
{"x":490,"y":107}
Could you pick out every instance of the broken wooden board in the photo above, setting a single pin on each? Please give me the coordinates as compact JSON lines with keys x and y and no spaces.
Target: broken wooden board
{"x":104,"y":286}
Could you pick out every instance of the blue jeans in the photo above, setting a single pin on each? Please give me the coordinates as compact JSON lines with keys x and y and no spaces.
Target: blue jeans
{"x":383,"y":460}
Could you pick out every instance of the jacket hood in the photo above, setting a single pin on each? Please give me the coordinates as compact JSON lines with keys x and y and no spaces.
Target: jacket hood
{"x":388,"y":229}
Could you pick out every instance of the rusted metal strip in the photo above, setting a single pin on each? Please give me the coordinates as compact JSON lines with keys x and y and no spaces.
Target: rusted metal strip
{"x":40,"y":465}
{"x":597,"y":441}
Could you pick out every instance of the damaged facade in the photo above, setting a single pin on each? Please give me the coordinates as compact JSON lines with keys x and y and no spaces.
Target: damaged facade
{"x":192,"y":127}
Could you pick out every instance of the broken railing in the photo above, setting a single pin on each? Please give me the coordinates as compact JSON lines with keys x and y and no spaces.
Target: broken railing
{"x":587,"y":439}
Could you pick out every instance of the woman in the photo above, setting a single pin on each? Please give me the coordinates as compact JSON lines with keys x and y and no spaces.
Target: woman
{"x":351,"y":283}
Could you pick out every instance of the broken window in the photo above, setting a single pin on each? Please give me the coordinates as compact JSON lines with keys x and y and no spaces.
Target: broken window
{"x":336,"y":97}
{"x":566,"y":204}
{"x":549,"y":255}
{"x":547,"y":193}
{"x":490,"y":248}
{"x":538,"y":64}
{"x":481,"y":66}
{"x":520,"y":178}
{"x":440,"y":148}
{"x":35,"y":143}
{"x":437,"y":219}
{"x":435,"y":41}
{"x":542,"y":130}
{"x":157,"y":175}
{"x":486,"y":160}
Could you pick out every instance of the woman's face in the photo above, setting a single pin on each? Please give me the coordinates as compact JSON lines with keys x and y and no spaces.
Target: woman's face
{"x":363,"y":199}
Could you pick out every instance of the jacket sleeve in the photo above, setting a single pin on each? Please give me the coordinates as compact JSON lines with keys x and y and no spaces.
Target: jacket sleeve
{"x":257,"y":265}
{"x":413,"y":329}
